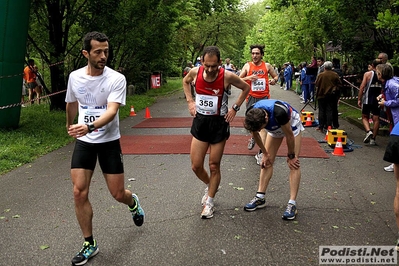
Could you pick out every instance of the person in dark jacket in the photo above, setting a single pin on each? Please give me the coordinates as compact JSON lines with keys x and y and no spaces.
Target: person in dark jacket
{"x":328,"y":85}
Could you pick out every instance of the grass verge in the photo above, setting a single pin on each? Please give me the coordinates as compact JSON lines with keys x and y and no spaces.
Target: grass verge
{"x":41,"y":131}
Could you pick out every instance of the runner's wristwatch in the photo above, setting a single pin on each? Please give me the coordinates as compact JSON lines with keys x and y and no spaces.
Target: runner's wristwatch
{"x":236,"y":107}
{"x":291,"y":156}
{"x":91,"y":127}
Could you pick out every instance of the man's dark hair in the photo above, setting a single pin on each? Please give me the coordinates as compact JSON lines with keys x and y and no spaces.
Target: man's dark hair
{"x":259,"y":46}
{"x":94,"y":35}
{"x":31,"y":62}
{"x":255,"y":119}
{"x":320,"y":58}
{"x":211,"y":50}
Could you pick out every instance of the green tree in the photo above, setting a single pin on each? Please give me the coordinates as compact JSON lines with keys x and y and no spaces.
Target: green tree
{"x":388,"y":23}
{"x":50,"y":34}
{"x":221,"y":23}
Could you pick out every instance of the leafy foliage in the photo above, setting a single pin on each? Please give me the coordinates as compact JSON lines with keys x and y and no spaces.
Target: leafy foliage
{"x":353,"y":30}
{"x":154,"y":35}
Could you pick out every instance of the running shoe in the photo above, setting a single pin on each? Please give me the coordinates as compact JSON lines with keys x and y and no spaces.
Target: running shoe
{"x":255,"y":203}
{"x":369,"y":135}
{"x":88,"y":251}
{"x":251,"y":144}
{"x":207,"y":211}
{"x":290,"y":212}
{"x":389,"y":168}
{"x":137,"y":212}
{"x":258,"y":157}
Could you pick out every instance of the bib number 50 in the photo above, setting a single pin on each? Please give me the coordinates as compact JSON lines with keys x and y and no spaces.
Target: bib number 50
{"x":90,"y":118}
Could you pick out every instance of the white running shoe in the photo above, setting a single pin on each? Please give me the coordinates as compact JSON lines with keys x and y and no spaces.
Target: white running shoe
{"x":207,"y":211}
{"x":258,"y":158}
{"x":369,"y":135}
{"x":251,"y":144}
{"x":389,"y":168}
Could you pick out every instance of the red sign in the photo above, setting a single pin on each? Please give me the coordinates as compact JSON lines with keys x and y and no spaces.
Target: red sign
{"x":155,"y":81}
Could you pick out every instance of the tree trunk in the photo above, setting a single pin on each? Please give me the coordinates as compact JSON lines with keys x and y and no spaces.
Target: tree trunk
{"x":58,"y":84}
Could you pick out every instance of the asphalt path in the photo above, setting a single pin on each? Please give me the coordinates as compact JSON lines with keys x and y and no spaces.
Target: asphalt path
{"x":342,"y":201}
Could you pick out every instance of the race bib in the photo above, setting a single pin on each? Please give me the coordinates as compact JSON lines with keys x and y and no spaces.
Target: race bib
{"x":90,"y":114}
{"x":206,"y":104}
{"x":259,"y":85}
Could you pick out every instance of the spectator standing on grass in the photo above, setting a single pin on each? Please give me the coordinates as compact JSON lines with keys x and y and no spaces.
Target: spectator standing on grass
{"x":369,"y":90}
{"x":212,"y":117}
{"x":328,"y":85}
{"x":256,"y":74}
{"x":281,"y":120}
{"x":96,"y":92}
{"x":30,"y":79}
{"x":390,"y":97}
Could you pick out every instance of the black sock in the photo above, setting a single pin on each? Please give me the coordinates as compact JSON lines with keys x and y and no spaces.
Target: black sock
{"x":90,"y":240}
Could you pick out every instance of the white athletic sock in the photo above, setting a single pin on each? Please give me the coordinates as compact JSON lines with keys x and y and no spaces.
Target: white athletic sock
{"x":260,"y":195}
{"x":209,"y":200}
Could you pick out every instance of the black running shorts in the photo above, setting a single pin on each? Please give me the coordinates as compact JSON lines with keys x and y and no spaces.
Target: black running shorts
{"x":210,"y":128}
{"x":371,"y":108}
{"x":109,"y":156}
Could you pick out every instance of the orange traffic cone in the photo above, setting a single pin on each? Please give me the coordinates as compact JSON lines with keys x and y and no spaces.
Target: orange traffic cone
{"x":132,"y":113}
{"x":338,"y":150}
{"x":147,"y":113}
{"x":308,"y":121}
{"x":326,"y":138}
